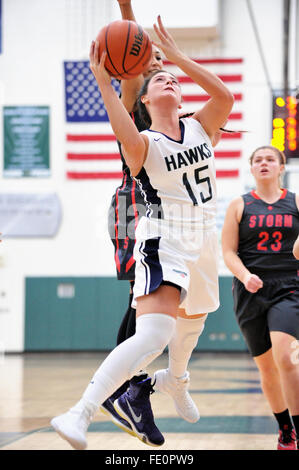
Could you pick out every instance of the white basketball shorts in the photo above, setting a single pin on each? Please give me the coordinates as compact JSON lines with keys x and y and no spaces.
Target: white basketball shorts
{"x":188,"y":259}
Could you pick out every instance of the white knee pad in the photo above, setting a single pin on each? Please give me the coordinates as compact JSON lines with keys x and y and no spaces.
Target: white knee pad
{"x":183,"y":342}
{"x":154,"y":331}
{"x":187,"y":332}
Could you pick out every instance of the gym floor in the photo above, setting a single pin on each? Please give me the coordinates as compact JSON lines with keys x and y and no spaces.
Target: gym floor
{"x":225,"y":386}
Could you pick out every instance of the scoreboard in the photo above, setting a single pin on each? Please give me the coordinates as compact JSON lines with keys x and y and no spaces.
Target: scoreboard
{"x":285,"y":123}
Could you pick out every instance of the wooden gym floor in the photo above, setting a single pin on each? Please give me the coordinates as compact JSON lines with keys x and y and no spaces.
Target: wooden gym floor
{"x":35,"y":387}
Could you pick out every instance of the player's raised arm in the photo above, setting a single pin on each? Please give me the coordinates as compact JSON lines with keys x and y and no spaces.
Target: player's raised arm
{"x":123,"y":126}
{"x":217,"y":109}
{"x":126,"y":10}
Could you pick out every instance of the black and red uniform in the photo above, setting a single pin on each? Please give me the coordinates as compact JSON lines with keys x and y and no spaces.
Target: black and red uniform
{"x":127,"y":206}
{"x":267,"y":233}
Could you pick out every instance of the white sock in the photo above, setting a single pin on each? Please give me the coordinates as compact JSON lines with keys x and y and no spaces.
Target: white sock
{"x":184,"y":340}
{"x":153,"y":333}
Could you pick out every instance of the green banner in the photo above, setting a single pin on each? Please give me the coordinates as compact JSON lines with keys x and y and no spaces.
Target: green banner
{"x":26,"y":141}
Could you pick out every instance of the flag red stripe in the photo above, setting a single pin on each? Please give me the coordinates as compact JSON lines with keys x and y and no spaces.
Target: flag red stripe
{"x":235,"y":116}
{"x":111,"y":137}
{"x":90,"y":137}
{"x":233,"y":135}
{"x":119,"y":175}
{"x":227,"y":173}
{"x":116,"y":156}
{"x":216,"y":60}
{"x":197,"y":98}
{"x":93,"y":156}
{"x":224,"y":78}
{"x":76,"y":175}
{"x":227,"y":154}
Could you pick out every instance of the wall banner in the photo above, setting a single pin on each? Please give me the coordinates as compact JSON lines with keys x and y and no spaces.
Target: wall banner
{"x":26,"y":141}
{"x":29,"y":215}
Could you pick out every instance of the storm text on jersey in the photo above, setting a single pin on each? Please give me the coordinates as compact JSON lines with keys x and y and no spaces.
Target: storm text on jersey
{"x":269,"y":220}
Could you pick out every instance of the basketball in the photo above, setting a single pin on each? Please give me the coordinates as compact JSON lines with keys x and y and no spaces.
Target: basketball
{"x":128,"y":47}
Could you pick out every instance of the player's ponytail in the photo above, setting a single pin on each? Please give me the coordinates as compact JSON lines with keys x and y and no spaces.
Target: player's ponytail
{"x":143,"y":113}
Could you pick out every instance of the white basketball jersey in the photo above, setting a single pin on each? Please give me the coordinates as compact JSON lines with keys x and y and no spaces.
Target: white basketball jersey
{"x":178,"y":178}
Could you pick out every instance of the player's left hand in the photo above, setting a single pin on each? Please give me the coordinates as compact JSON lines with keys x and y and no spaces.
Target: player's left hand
{"x":167,"y":43}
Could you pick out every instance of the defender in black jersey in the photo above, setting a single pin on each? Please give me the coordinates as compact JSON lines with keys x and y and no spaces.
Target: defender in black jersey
{"x":126,"y":208}
{"x":266,"y":237}
{"x":258,"y":236}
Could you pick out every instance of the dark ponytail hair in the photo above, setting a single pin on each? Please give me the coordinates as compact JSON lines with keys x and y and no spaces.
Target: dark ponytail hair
{"x":142,"y":111}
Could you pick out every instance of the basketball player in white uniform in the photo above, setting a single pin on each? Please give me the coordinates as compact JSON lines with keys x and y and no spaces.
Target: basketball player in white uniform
{"x":176,"y":242}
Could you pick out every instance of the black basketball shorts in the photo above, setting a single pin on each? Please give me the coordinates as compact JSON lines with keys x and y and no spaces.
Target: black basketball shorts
{"x":275,"y":307}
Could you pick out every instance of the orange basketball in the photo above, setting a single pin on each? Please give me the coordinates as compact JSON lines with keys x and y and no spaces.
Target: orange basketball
{"x":128,"y":46}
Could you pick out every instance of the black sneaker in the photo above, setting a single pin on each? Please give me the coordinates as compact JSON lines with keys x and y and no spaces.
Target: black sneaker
{"x":135,"y":407}
{"x":108,"y":409}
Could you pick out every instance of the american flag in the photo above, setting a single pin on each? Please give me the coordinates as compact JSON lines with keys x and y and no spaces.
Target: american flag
{"x":91,"y":147}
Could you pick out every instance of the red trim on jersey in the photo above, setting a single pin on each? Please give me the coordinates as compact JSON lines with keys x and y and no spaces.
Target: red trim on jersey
{"x":116,"y":257}
{"x":253,"y":194}
{"x":130,"y":264}
{"x":256,"y":196}
{"x":132,"y":260}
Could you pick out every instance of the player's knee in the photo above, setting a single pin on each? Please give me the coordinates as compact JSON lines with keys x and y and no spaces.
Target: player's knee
{"x":283,"y":360}
{"x":153,"y":345}
{"x":153,"y":333}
